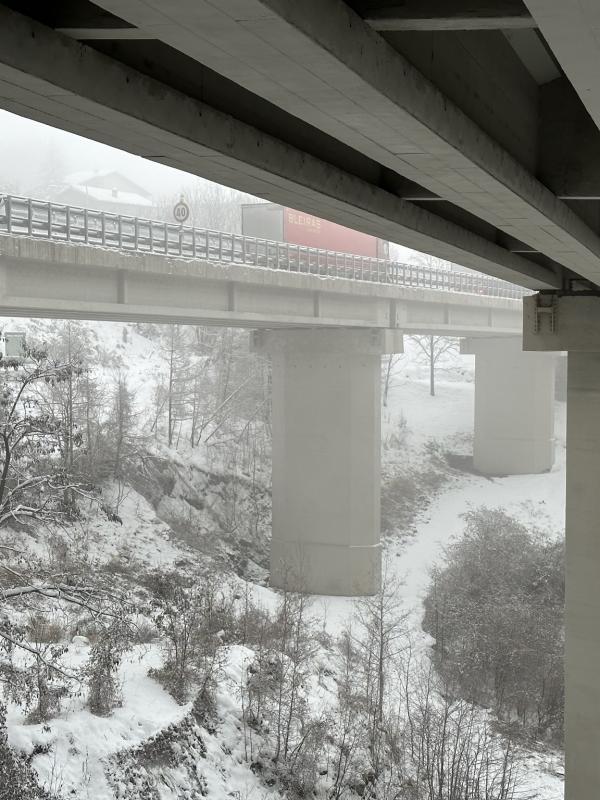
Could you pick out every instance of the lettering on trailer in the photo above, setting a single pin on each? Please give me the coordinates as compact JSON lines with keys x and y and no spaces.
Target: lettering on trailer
{"x":310,"y":231}
{"x":306,"y":220}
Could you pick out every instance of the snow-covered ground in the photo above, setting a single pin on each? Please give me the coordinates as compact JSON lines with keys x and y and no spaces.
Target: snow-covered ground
{"x":75,"y":750}
{"x":77,"y":742}
{"x":76,"y":753}
{"x":538,"y":499}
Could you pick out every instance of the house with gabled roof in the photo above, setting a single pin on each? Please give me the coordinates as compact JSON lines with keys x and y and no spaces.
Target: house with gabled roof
{"x":106,"y":190}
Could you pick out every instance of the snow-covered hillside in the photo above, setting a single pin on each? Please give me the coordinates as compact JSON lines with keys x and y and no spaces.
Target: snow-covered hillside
{"x":176,"y":515}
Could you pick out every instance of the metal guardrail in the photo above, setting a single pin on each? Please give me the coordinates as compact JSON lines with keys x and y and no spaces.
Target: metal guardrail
{"x":22,"y":216}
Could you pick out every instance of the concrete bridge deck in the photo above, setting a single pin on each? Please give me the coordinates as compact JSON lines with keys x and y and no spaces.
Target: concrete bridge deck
{"x":61,"y":262}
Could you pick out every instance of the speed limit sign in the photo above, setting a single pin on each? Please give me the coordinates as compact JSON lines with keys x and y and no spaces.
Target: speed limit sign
{"x":181,"y":211}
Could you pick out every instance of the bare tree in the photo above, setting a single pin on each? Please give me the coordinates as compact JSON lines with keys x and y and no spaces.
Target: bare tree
{"x":432,"y":350}
{"x":347,"y":729}
{"x":379,"y":639}
{"x":211,"y":206}
{"x":33,"y":485}
{"x":277,"y":702}
{"x":452,"y":751}
{"x":191,"y":617}
{"x":388,"y":367}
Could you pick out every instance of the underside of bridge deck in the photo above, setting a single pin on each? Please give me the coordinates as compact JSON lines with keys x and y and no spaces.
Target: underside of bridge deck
{"x":457,"y":128}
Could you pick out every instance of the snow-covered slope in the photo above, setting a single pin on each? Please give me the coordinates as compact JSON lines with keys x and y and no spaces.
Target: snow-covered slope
{"x":164,"y":751}
{"x":150,"y":746}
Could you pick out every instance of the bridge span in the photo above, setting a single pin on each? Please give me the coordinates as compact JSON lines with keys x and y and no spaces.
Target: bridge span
{"x":60,"y":261}
{"x":324,"y":319}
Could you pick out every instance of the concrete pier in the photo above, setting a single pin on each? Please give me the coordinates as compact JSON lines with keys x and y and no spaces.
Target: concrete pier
{"x":514,"y":407}
{"x":326,"y":458}
{"x":582,"y":608}
{"x":572,"y":323}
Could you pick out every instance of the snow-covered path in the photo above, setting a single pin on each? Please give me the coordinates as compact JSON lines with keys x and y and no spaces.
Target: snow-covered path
{"x":535,"y":499}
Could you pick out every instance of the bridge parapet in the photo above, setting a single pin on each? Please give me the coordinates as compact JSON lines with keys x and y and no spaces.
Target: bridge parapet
{"x":41,"y":277}
{"x":23,"y":216}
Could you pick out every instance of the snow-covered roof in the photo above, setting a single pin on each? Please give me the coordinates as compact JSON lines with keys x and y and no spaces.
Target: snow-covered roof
{"x":109,"y":196}
{"x":108,"y":181}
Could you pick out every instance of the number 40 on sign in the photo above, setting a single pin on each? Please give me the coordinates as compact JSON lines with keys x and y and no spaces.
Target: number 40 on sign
{"x":181,"y":211}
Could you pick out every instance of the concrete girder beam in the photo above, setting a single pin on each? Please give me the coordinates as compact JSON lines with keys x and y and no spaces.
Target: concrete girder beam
{"x":322,"y":63}
{"x":52,"y":78}
{"x":110,"y":34}
{"x":571,"y":29}
{"x":469,"y":68}
{"x":439,"y":15}
{"x":569,"y":157}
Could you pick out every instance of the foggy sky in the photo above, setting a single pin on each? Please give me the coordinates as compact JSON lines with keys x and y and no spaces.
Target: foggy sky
{"x":28,"y":149}
{"x":25,"y":145}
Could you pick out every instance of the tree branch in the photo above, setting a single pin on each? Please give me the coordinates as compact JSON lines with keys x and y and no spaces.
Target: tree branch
{"x":38,"y":655}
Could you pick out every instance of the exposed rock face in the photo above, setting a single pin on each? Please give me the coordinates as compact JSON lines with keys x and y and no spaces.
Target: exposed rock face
{"x":223,"y":515}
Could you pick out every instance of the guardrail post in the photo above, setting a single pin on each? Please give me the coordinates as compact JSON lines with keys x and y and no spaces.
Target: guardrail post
{"x":8,"y":207}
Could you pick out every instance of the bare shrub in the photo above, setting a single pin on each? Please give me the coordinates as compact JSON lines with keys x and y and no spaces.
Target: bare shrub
{"x":144,"y":632}
{"x":407,"y":489}
{"x":496,"y":611}
{"x":291,"y":734}
{"x":452,"y":753}
{"x":41,"y":628}
{"x":102,"y":668}
{"x":193,"y":619}
{"x":17,"y":780}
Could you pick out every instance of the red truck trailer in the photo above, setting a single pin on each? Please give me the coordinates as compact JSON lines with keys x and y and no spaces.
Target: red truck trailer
{"x":281,"y":224}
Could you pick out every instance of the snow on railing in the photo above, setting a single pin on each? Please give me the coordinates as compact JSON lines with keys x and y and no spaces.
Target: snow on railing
{"x":22,"y":216}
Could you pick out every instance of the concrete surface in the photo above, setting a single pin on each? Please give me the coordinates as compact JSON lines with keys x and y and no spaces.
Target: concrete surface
{"x":45,"y":278}
{"x":326,"y":458}
{"x":514,"y":407}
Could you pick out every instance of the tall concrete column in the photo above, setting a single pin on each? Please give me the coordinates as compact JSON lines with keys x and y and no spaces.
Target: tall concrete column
{"x":514,"y":407}
{"x":572,"y":323}
{"x":326,"y":457}
{"x":582,"y":576}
